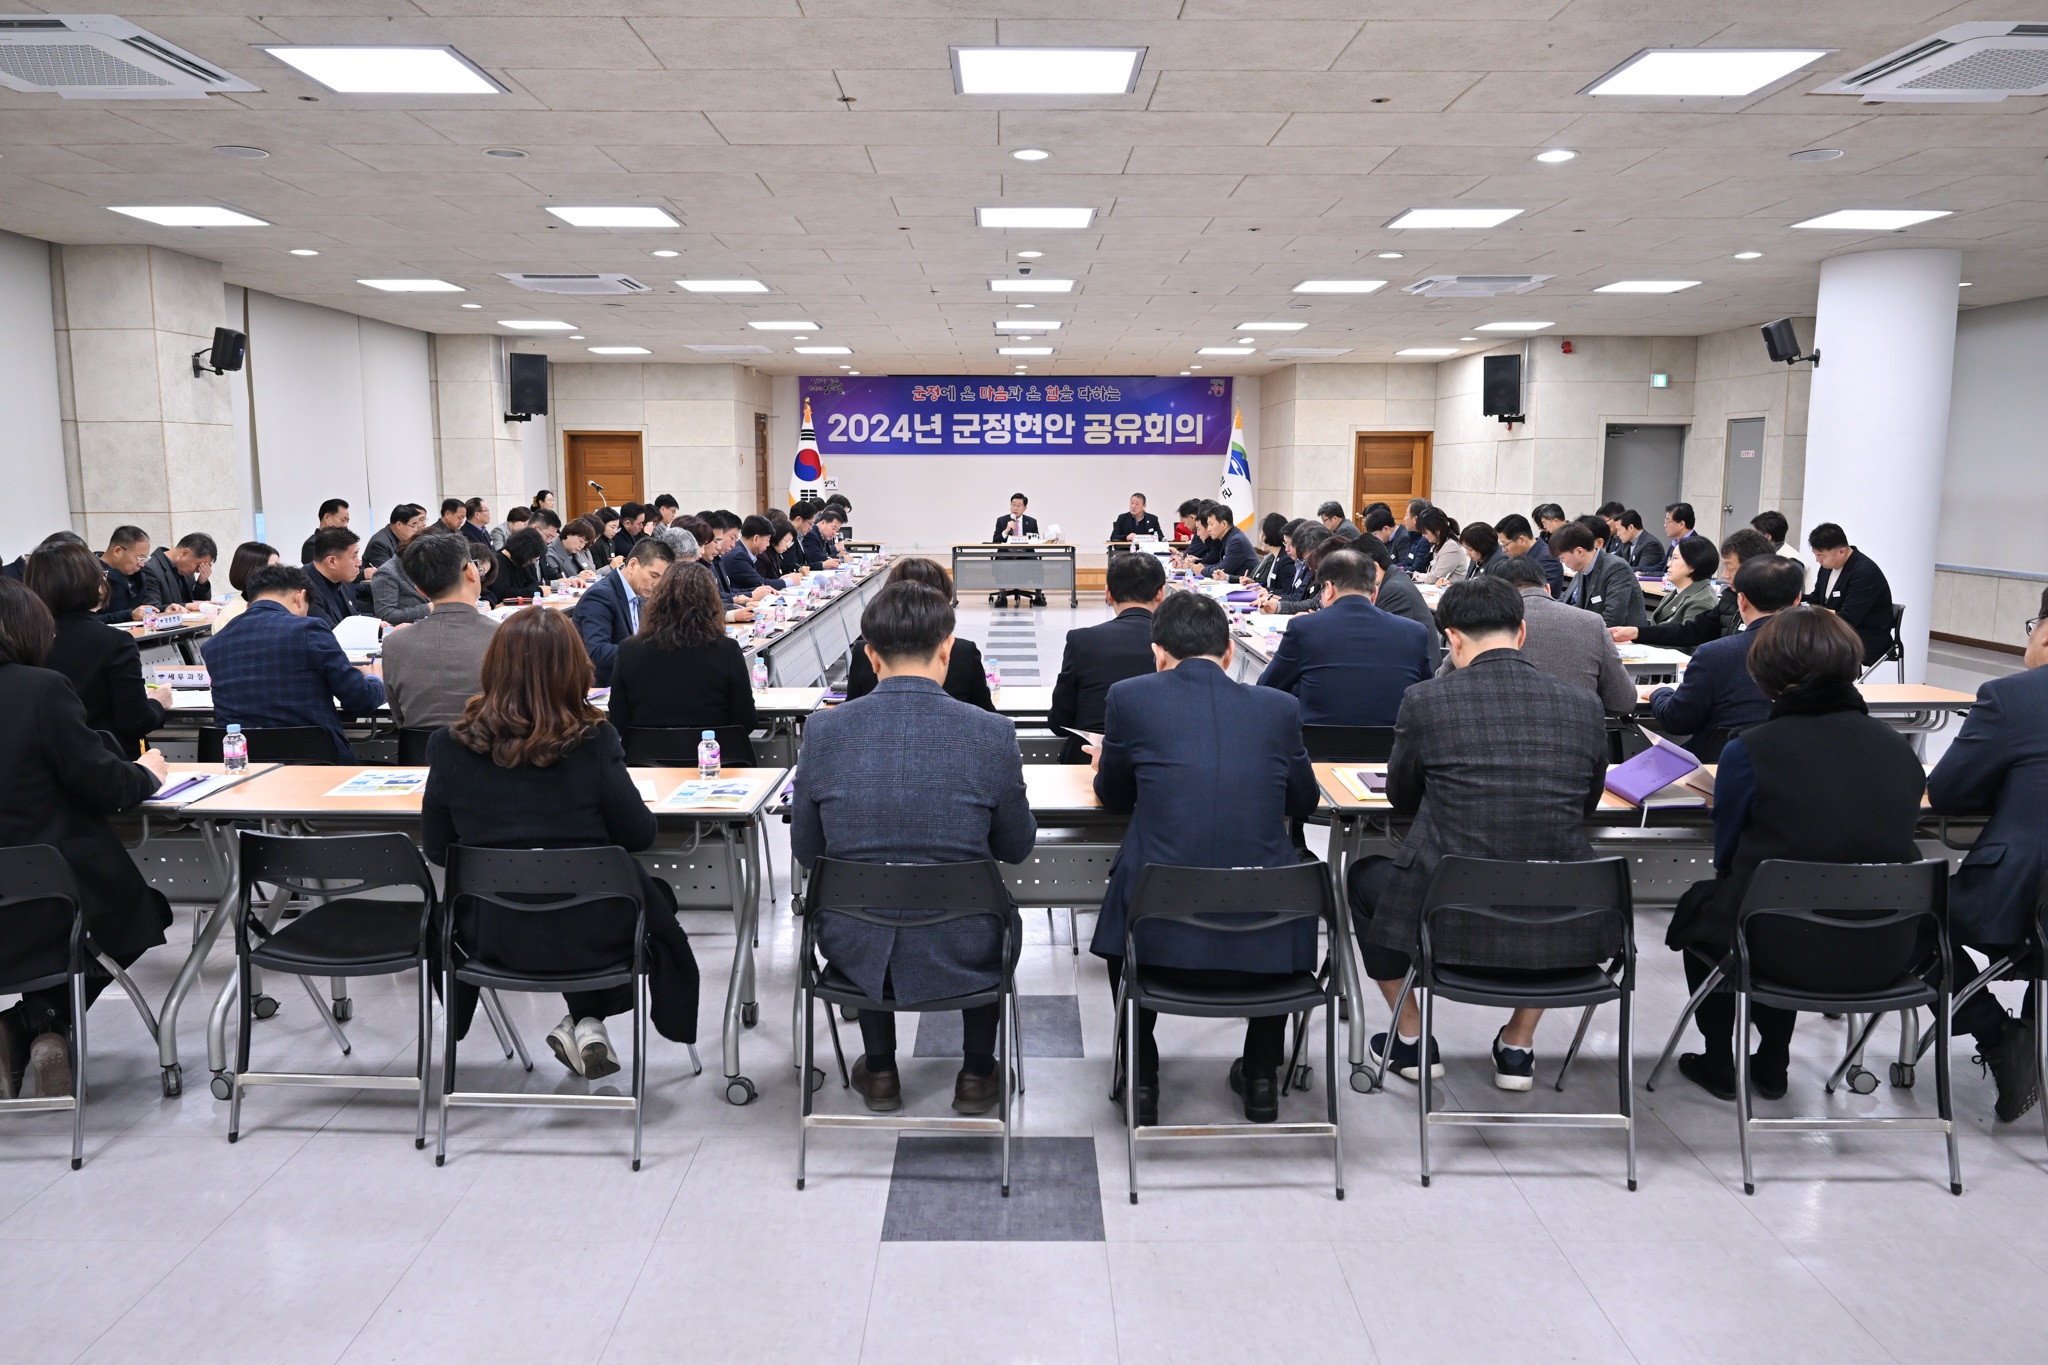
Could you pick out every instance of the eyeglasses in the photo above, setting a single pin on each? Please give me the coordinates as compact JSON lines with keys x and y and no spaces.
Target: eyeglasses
{"x":2033,"y":625}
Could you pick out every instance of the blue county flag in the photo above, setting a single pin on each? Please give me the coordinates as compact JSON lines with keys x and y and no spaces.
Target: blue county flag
{"x":1236,"y":491}
{"x":807,"y":476}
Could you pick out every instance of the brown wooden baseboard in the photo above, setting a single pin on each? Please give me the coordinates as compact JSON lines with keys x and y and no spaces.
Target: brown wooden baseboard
{"x":1091,"y":580}
{"x":1997,"y":645}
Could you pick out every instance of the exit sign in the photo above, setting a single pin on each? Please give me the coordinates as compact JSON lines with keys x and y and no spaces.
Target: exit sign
{"x":1660,"y":381}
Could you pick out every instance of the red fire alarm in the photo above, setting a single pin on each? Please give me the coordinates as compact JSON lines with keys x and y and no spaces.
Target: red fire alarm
{"x":1566,"y":347}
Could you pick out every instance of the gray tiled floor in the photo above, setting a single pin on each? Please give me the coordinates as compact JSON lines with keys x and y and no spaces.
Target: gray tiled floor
{"x":324,"y":1236}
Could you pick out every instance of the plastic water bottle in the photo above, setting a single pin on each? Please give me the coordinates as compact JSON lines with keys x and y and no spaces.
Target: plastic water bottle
{"x":992,"y":669}
{"x":760,"y":673}
{"x":707,"y":756}
{"x":234,"y":750}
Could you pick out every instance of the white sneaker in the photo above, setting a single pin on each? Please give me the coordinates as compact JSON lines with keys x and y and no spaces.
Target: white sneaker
{"x":595,"y":1047}
{"x":562,"y":1038}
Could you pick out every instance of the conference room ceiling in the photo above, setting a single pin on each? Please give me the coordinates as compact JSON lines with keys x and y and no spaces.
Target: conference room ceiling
{"x":819,"y":146}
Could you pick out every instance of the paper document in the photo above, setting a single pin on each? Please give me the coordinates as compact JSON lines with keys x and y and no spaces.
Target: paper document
{"x":645,"y":786}
{"x":383,"y":782}
{"x":716,"y":794}
{"x":181,"y":789}
{"x":1363,"y":783}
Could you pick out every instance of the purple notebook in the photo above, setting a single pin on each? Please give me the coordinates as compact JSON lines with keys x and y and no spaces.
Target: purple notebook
{"x":1649,"y":772}
{"x":1242,"y":595}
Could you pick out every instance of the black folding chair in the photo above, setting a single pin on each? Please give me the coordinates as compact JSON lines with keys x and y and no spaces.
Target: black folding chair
{"x":652,"y":747}
{"x":857,"y":891}
{"x":495,"y":882}
{"x":1232,"y":900}
{"x":412,"y":744}
{"x":1348,"y":743}
{"x":1527,"y":935}
{"x":345,"y":933}
{"x":281,"y":744}
{"x":46,"y":946}
{"x":1895,"y":651}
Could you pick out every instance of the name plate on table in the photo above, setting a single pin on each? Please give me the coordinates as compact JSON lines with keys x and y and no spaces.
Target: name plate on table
{"x":168,"y":675}
{"x":383,"y":782}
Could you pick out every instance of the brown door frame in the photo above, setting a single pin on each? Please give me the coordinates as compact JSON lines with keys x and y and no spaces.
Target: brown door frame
{"x":1424,"y":466}
{"x":639,"y":435}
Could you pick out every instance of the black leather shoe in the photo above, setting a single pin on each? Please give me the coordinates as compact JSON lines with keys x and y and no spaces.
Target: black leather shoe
{"x":1770,"y":1080}
{"x":1148,"y":1106}
{"x":1716,"y":1081}
{"x":1261,"y":1094}
{"x":2012,"y":1066}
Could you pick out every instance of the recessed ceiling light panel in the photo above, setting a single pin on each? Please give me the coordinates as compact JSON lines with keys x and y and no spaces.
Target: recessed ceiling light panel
{"x":619,"y":216}
{"x":1270,"y":326}
{"x":618,"y":350}
{"x":1000,"y":217}
{"x":1748,"y":255}
{"x":789,"y":326}
{"x":733,"y":350}
{"x":1014,"y":325}
{"x":1046,"y":70}
{"x":1305,"y":352}
{"x":1453,"y":218}
{"x":1023,"y":350}
{"x":389,"y":70}
{"x":1339,"y":286}
{"x":191,"y":215}
{"x":1703,"y":71}
{"x":1513,"y":326}
{"x":1225,"y":350}
{"x":1031,"y":286}
{"x":1030,"y":154}
{"x":304,"y":251}
{"x":1645,"y":286}
{"x":536,"y":325}
{"x":413,"y":286}
{"x":722,"y":286}
{"x":824,"y":350}
{"x":1873,"y":220}
{"x":1029,"y":255}
{"x":1556,"y":156}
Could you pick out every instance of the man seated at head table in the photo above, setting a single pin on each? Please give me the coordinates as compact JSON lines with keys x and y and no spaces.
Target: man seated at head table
{"x":1136,"y":522}
{"x":1717,"y":692}
{"x":609,"y":614}
{"x":1568,"y":644}
{"x":1014,"y":522}
{"x":1172,"y":741}
{"x":1100,"y":656}
{"x":1496,"y":760}
{"x":280,"y":668}
{"x":821,"y":541}
{"x":1350,"y":663}
{"x":431,"y":667}
{"x":907,"y":774}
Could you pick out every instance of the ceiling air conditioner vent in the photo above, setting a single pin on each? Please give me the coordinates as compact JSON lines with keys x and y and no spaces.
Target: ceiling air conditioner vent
{"x":578,"y":284}
{"x":102,"y":57}
{"x":1963,"y":64}
{"x":1474,"y":286}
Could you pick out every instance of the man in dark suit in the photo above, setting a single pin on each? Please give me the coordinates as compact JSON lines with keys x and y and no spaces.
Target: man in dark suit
{"x":1398,"y":596}
{"x":332,"y":571}
{"x":1852,"y":586}
{"x":1098,"y":657}
{"x":476,"y":521}
{"x":742,"y":561}
{"x":1173,"y":742}
{"x":1331,"y":515}
{"x":1998,"y":766}
{"x":1717,"y":692}
{"x":609,"y":614}
{"x":1014,"y":523}
{"x":906,"y":774}
{"x":1496,"y":760}
{"x":1601,"y":583}
{"x":1518,"y":539}
{"x":333,"y":512}
{"x":127,"y":590}
{"x":179,"y":575}
{"x":1350,"y":663}
{"x":278,"y":668}
{"x":1643,"y":551}
{"x":821,"y":541}
{"x":1136,"y":522}
{"x":1235,"y":557}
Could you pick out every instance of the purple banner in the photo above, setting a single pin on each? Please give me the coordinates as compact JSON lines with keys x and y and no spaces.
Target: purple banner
{"x":977,"y":415}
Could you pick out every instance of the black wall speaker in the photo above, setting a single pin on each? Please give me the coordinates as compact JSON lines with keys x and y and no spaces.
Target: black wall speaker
{"x":1502,"y":389}
{"x":225,"y":354}
{"x":1781,"y":341}
{"x":528,"y":379}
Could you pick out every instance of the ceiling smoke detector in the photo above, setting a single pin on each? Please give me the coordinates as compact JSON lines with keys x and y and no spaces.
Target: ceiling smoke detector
{"x":577,"y":284}
{"x":101,"y":57}
{"x":1977,"y":63}
{"x":1474,"y":286}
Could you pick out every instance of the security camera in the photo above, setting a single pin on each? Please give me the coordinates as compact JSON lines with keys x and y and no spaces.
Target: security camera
{"x":1023,"y":270}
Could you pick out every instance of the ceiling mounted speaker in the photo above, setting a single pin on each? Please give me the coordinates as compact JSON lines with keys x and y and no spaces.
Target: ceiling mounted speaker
{"x":1977,"y":63}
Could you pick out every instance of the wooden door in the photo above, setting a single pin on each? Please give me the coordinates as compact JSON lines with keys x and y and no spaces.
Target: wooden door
{"x":1390,"y":467}
{"x":761,"y":462}
{"x":610,"y":458}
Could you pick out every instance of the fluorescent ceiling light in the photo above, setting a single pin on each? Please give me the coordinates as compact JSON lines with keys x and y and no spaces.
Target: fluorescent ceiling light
{"x":1033,"y":218}
{"x":723,"y":286}
{"x":389,"y":70}
{"x":620,"y":216}
{"x":1748,"y":255}
{"x":1270,"y":326}
{"x":1703,"y":71}
{"x":1029,"y":255}
{"x":412,"y":286}
{"x":1872,"y":220}
{"x":472,"y":305}
{"x":1012,"y":325}
{"x":1305,"y":352}
{"x":664,"y":254}
{"x":1031,"y":286}
{"x":619,"y":350}
{"x":578,"y":336}
{"x":1454,"y":218}
{"x":304,"y":251}
{"x":1645,"y":286}
{"x":1513,"y":326}
{"x":1226,"y":350}
{"x":1244,"y":341}
{"x":1046,"y":70}
{"x":1339,"y":286}
{"x":771,"y":326}
{"x":1391,"y":255}
{"x":1429,"y":350}
{"x":1030,"y":154}
{"x":824,"y":350}
{"x":1556,"y":156}
{"x":1023,"y":350}
{"x":536,"y":325}
{"x":197,"y":215}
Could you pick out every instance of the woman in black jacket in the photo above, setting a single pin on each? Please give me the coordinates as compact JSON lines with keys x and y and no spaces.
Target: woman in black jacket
{"x":1820,"y":781}
{"x":102,"y":661}
{"x":522,"y":556}
{"x":681,"y":671}
{"x":532,"y":764}
{"x":966,"y":679}
{"x":61,"y":784}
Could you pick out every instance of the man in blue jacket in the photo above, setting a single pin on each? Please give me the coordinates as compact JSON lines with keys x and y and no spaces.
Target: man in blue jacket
{"x":1998,"y":766}
{"x":1236,"y":560}
{"x":1172,"y":742}
{"x":1717,"y":692}
{"x":275,"y":667}
{"x":609,"y":614}
{"x":1350,"y":663}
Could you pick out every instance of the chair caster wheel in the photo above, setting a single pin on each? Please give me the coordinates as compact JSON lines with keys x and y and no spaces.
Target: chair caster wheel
{"x":739,"y":1090}
{"x":817,"y":1084}
{"x":1861,"y":1081}
{"x":750,"y":1014}
{"x":848,"y":1013}
{"x":173,"y":1081}
{"x":1361,"y":1080}
{"x":1301,"y":1076}
{"x":263,"y":1007}
{"x":1902,"y":1075}
{"x":222,"y":1085}
{"x":344,"y":1010}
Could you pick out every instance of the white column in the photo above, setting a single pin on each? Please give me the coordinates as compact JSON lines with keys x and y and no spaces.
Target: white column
{"x":1878,"y":433}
